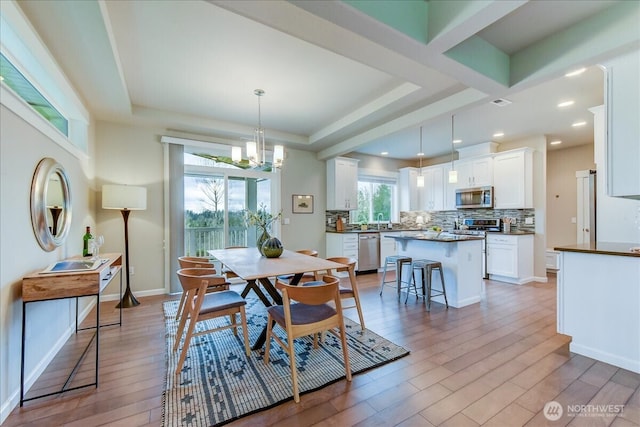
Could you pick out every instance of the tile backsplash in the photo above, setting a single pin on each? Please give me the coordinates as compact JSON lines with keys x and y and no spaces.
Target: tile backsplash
{"x":444,"y":219}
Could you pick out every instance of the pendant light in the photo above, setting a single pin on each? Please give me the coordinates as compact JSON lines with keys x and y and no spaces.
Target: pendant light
{"x":420,"y":178}
{"x":256,"y":149}
{"x":453,"y":174}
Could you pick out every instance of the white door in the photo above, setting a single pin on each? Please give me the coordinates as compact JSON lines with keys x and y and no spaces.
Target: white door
{"x":585,"y":215}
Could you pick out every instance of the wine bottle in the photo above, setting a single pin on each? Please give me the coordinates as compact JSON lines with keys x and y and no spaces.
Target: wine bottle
{"x":85,"y":242}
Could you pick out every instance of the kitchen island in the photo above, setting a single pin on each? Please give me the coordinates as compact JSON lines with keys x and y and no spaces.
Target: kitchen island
{"x":598,"y":299}
{"x":461,"y":258}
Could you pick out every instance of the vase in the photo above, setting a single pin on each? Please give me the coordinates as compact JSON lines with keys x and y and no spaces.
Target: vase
{"x":272,"y":247}
{"x":264,"y":236}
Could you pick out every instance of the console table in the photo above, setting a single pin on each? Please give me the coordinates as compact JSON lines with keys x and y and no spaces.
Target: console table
{"x":62,"y":285}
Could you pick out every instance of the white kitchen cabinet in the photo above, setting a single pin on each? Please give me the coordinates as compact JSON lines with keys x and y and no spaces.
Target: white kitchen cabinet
{"x":342,"y":184}
{"x":432,"y":195}
{"x":622,"y":130}
{"x":513,"y":179}
{"x":474,"y":172}
{"x":510,"y":257}
{"x":408,"y":189}
{"x":342,"y":245}
{"x":387,"y":246}
{"x":449,"y":189}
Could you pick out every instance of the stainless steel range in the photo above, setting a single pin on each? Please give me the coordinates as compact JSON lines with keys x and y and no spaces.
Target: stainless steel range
{"x":479,"y":227}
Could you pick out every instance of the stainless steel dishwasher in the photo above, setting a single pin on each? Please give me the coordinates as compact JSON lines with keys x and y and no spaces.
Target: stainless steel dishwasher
{"x":368,"y":252}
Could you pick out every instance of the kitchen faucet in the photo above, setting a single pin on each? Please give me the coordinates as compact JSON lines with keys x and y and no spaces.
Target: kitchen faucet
{"x":379,"y":218}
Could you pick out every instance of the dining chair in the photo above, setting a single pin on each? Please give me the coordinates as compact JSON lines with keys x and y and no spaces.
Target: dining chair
{"x":350,"y":292}
{"x":306,"y":277}
{"x":310,"y":315}
{"x":200,"y":306}
{"x":196,"y":262}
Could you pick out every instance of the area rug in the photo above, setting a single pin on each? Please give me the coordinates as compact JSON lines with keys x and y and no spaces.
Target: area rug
{"x":219,"y":384}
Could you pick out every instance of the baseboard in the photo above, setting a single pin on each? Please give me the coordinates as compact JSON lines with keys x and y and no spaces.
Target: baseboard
{"x":138,"y":294}
{"x":603,"y":356}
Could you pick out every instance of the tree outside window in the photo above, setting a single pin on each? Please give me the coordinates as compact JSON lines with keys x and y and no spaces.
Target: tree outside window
{"x":375,"y":201}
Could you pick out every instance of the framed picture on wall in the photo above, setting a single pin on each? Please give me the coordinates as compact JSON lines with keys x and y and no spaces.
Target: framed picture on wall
{"x":302,"y":203}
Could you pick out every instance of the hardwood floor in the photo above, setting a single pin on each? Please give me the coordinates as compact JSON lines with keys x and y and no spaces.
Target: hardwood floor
{"x":495,"y":363}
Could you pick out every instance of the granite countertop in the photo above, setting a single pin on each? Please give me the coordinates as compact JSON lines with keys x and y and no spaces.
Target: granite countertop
{"x":448,"y":238}
{"x":371,"y":230}
{"x":604,"y":248}
{"x":513,"y":233}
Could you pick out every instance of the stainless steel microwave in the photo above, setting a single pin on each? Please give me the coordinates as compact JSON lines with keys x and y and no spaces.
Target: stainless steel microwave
{"x":480,"y":197}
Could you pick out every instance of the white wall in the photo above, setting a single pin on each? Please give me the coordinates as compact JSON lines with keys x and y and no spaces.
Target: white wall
{"x":48,"y":323}
{"x":562,"y":192}
{"x":134,"y":156}
{"x":303,"y":173}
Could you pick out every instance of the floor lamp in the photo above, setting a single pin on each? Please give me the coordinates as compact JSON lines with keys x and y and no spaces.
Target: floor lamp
{"x":125,"y":198}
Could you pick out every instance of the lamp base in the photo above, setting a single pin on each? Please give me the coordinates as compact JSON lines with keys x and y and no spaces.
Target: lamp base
{"x":128,"y":300}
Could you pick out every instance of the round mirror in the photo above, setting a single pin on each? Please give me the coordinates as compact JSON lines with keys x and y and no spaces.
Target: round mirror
{"x":50,"y":204}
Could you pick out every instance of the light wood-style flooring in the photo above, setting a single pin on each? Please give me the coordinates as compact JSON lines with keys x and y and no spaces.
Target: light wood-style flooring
{"x":495,"y":363}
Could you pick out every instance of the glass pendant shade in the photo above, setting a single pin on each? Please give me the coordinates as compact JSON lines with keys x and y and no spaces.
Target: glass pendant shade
{"x":420,"y":181}
{"x":236,"y":154}
{"x":453,"y":176}
{"x":278,"y":155}
{"x":252,"y":152}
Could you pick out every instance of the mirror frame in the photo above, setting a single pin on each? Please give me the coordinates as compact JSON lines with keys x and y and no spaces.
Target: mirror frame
{"x":46,"y":168}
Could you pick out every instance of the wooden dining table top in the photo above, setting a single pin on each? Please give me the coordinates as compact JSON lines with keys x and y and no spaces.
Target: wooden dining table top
{"x":249,"y":264}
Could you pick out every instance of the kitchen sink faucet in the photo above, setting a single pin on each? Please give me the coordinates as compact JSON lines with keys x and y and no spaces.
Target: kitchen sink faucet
{"x":379,"y":219}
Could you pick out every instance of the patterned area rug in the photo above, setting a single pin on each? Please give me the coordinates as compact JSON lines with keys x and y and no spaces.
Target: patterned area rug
{"x":219,"y":384}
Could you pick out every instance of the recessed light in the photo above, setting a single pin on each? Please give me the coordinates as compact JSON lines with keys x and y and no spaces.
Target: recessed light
{"x":384,"y":153}
{"x":498,"y":134}
{"x":420,"y":154}
{"x":565,"y":104}
{"x":555,"y":142}
{"x":457,"y":141}
{"x":575,"y":72}
{"x":578,"y":124}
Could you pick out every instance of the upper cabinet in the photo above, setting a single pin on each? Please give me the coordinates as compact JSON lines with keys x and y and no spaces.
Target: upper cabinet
{"x":474,"y":172}
{"x":623,"y":131}
{"x":408,"y":189}
{"x":342,"y":184}
{"x":513,"y":179}
{"x":432,"y":195}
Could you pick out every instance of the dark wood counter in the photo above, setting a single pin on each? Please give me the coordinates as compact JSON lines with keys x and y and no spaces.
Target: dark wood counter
{"x":603,"y":248}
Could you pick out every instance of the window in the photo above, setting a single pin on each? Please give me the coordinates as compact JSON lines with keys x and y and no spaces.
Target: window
{"x":25,"y":90}
{"x":376,"y":200}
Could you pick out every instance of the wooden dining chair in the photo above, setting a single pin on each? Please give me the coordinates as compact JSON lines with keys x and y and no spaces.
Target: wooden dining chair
{"x":311,"y":315}
{"x":196,"y":262}
{"x":306,"y":277}
{"x":200,"y":305}
{"x":350,"y":292}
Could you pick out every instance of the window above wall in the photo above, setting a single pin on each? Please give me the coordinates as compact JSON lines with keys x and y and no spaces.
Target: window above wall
{"x":13,"y":78}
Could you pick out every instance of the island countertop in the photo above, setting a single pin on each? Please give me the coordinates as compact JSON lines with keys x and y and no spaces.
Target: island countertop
{"x":448,"y":238}
{"x":603,"y":248}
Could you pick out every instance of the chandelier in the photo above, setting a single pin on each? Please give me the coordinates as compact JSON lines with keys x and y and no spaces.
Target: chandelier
{"x":256,"y":149}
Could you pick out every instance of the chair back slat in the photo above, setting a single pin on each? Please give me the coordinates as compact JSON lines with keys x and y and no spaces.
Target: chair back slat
{"x":194,"y":262}
{"x":314,"y":295}
{"x":196,"y":278}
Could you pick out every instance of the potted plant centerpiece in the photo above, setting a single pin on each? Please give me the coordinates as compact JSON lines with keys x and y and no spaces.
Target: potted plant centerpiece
{"x":271,"y":247}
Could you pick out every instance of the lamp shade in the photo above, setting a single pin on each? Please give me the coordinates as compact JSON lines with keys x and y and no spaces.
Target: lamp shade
{"x":55,"y":198}
{"x":124,"y":197}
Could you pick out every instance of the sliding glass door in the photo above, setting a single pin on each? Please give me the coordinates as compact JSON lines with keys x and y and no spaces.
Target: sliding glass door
{"x":215,"y":201}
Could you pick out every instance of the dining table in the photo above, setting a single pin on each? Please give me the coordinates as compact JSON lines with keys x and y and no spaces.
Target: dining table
{"x":260,"y":273}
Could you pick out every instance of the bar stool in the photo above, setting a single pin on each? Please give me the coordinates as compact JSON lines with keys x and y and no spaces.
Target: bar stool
{"x":399,"y":261}
{"x":427,"y":267}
